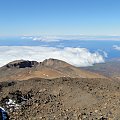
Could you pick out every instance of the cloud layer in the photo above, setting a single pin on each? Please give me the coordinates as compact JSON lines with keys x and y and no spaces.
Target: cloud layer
{"x":76,"y":56}
{"x":57,"y":38}
{"x":116,"y":47}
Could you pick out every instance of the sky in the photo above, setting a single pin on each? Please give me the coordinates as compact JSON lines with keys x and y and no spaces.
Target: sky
{"x":59,"y":17}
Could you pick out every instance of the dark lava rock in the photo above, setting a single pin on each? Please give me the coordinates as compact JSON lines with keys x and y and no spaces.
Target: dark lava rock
{"x":103,"y":118}
{"x":19,"y":97}
{"x":22,"y":64}
{"x":6,"y":84}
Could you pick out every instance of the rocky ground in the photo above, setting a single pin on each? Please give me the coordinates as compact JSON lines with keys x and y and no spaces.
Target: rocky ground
{"x":61,"y":99}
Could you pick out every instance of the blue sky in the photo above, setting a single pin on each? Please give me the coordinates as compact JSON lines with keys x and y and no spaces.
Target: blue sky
{"x":59,"y":17}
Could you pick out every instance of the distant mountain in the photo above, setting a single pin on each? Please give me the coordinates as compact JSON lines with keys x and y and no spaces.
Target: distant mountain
{"x":49,"y":68}
{"x":110,"y":68}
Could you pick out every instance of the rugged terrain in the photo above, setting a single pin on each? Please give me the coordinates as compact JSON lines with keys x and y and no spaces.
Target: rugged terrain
{"x":56,"y":90}
{"x":61,"y":99}
{"x":49,"y":68}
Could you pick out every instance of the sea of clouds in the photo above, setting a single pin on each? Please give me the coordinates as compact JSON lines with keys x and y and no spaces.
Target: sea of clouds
{"x":57,"y":38}
{"x":79,"y":57}
{"x":116,"y":47}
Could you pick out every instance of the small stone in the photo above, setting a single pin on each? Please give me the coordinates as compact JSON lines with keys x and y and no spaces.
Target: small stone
{"x":96,"y":111}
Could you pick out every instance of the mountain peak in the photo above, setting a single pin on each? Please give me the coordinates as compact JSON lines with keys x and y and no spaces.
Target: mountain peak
{"x":53,"y":62}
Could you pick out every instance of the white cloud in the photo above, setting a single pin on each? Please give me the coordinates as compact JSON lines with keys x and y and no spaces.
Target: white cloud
{"x":102,"y":52}
{"x":116,"y":47}
{"x":43,"y":38}
{"x":56,"y":38}
{"x":27,"y":37}
{"x":75,"y":56}
{"x":47,"y":38}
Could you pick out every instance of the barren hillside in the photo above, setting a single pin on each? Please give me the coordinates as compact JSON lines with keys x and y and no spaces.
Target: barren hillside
{"x":61,"y":99}
{"x":49,"y":68}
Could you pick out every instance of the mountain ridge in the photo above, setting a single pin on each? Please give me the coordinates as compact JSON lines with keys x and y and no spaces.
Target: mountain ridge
{"x":49,"y":68}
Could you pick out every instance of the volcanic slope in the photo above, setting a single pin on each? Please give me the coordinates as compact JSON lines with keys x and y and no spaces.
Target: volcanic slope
{"x":110,"y":68}
{"x":49,"y":69}
{"x":61,"y":99}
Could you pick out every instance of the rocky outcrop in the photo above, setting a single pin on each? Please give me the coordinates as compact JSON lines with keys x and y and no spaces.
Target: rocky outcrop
{"x":22,"y":64}
{"x":26,"y":63}
{"x":54,"y":63}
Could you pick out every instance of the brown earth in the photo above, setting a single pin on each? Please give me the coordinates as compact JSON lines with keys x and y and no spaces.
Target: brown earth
{"x":50,"y":68}
{"x":62,"y":99}
{"x":110,"y":68}
{"x":56,"y":90}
